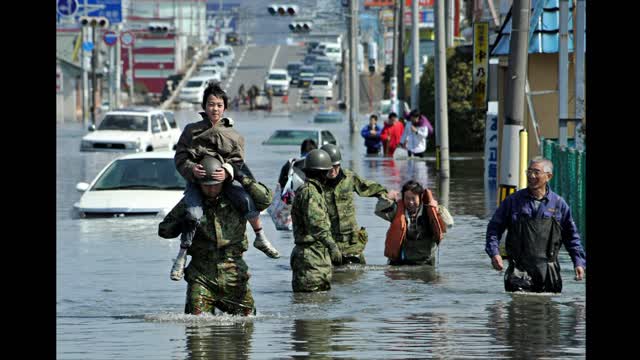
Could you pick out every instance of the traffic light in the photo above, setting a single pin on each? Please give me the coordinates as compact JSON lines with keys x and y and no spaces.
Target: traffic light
{"x":301,"y":26}
{"x":283,"y":9}
{"x":158,"y":28}
{"x":94,"y":21}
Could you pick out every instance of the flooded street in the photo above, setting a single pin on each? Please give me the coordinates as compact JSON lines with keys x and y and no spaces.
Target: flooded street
{"x":115,"y":300}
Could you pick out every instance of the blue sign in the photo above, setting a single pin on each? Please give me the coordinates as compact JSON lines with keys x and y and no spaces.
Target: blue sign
{"x":111,"y":9}
{"x":66,"y":7}
{"x":110,"y":38}
{"x":87,"y":46}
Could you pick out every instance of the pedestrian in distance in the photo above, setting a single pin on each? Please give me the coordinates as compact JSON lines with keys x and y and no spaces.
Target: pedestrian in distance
{"x":538,"y":221}
{"x":242,"y":95}
{"x":314,"y":250}
{"x":217,"y":275}
{"x":414,"y":137}
{"x":371,"y":135}
{"x":339,"y":188}
{"x":391,"y":134}
{"x":418,"y":225}
{"x":214,"y":136}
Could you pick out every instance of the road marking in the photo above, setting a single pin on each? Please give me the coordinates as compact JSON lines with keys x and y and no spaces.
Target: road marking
{"x":230,"y":79}
{"x":273,"y":59}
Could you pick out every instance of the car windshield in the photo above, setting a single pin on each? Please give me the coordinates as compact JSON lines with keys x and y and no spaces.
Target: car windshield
{"x":193,"y":83}
{"x":328,"y":117}
{"x":306,"y":74}
{"x":277,"y":77}
{"x":320,"y":82}
{"x":291,"y":137}
{"x":293,"y":67}
{"x":124,"y":122}
{"x":143,"y":174}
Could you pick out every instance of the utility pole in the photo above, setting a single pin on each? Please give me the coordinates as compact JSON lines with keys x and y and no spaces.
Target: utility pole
{"x":94,"y":76}
{"x":354,"y":106}
{"x":130,"y":49}
{"x":442,"y":120}
{"x":401,"y":87}
{"x":415,"y":45}
{"x":514,"y":99}
{"x":579,"y":70}
{"x":393,"y":82}
{"x":450,"y":16}
{"x":563,"y":73}
{"x":118,"y":64}
{"x":85,"y":75}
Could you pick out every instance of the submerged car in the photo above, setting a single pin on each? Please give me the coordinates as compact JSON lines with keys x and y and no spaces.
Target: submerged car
{"x":328,"y":117}
{"x":135,"y":184}
{"x":297,"y":136}
{"x":130,"y":129}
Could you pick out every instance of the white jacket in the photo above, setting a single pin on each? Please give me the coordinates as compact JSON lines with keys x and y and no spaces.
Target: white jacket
{"x":416,"y":141}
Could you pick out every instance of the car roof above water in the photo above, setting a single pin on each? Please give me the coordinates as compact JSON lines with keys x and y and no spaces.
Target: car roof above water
{"x":149,"y":155}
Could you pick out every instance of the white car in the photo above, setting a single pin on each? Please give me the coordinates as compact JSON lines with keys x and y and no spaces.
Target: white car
{"x":130,"y":129}
{"x":278,"y":80}
{"x":295,"y":137}
{"x":333,"y":51}
{"x":193,"y":90}
{"x":321,"y":87}
{"x":226,"y":53}
{"x":211,"y":71}
{"x":174,"y":129}
{"x":135,"y":184}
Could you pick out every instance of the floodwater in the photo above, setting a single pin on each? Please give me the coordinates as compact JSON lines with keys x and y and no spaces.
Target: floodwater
{"x":115,"y":300}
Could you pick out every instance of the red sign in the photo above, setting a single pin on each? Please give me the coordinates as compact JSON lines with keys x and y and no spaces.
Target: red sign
{"x":110,"y":38}
{"x":389,"y":3}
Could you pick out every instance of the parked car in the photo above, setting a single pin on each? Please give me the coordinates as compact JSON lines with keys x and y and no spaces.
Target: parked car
{"x":328,"y":117}
{"x":130,"y":129}
{"x":321,"y":88}
{"x":328,"y":69}
{"x":333,"y":51}
{"x":193,"y":90}
{"x":135,"y":184}
{"x":174,"y":129}
{"x":278,"y":80}
{"x":211,"y":71}
{"x":296,"y":136}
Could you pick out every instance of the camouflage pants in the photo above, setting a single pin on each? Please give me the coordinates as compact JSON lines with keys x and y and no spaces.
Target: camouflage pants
{"x":311,"y":266}
{"x":352,"y":246}
{"x":221,"y":284}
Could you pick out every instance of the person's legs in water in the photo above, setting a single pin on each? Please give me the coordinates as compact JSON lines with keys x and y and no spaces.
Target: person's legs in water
{"x":242,"y":201}
{"x":193,"y":200}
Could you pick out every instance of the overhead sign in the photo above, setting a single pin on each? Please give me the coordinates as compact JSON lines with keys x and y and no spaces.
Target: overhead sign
{"x":111,"y":9}
{"x":110,"y":38}
{"x":66,"y":7}
{"x":389,"y":3}
{"x":127,"y":38}
{"x":480,"y":64}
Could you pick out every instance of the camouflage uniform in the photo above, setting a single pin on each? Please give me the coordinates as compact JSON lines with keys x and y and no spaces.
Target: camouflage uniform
{"x":310,"y":260}
{"x":342,"y":212}
{"x":217,"y":275}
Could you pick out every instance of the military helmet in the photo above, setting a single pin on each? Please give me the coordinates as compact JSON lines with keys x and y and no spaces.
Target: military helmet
{"x":210,"y":165}
{"x":317,"y":159}
{"x":333,"y":152}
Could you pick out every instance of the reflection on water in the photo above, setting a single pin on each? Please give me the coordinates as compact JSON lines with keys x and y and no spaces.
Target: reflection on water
{"x":320,"y":338}
{"x":231,"y":341}
{"x":424,"y":273}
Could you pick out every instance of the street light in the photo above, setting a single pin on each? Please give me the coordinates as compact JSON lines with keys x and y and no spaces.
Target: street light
{"x":301,"y":26}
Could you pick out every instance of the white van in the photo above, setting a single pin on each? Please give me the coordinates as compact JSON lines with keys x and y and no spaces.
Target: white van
{"x":193,"y":90}
{"x":333,"y":51}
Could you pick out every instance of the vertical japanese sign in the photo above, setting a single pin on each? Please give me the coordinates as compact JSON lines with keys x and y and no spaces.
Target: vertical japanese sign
{"x":491,"y":157}
{"x":480,"y":64}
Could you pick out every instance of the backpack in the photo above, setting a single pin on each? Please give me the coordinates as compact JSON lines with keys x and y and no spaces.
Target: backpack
{"x":295,"y":179}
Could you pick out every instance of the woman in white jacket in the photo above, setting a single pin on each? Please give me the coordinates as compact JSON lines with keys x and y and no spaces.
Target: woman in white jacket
{"x":414,"y":137}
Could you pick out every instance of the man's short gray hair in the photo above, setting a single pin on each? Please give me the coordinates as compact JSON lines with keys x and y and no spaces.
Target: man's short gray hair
{"x":547,"y":165}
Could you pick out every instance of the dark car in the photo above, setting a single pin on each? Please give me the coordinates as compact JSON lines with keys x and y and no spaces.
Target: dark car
{"x":305,"y":76}
{"x":233,"y":38}
{"x":170,"y":85}
{"x":293,"y":68}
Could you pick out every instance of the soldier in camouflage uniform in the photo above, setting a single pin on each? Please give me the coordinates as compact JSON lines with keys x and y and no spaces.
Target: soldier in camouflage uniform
{"x":315,"y":249}
{"x":338,"y":195}
{"x":217,"y":275}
